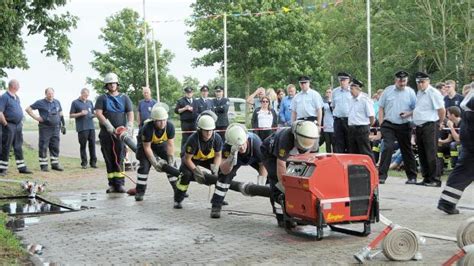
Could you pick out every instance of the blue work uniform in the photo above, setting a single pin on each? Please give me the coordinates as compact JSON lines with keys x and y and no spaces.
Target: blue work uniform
{"x":144,"y":110}
{"x":187,"y":118}
{"x":285,"y":110}
{"x":252,"y":156}
{"x":85,"y":130}
{"x":203,"y":154}
{"x":425,"y":117}
{"x":49,"y":130}
{"x":12,"y":133}
{"x":340,"y":104}
{"x":221,"y":107}
{"x":158,"y":138}
{"x":394,"y":101}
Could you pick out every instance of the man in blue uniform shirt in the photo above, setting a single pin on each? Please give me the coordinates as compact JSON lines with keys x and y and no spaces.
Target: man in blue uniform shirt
{"x":220,"y":106}
{"x":50,"y":123}
{"x":395,"y":110}
{"x":427,"y":115}
{"x":11,"y":129}
{"x":340,"y":104}
{"x":144,"y":106}
{"x":82,"y":110}
{"x":204,"y":103}
{"x":285,"y":106}
{"x":186,"y":108}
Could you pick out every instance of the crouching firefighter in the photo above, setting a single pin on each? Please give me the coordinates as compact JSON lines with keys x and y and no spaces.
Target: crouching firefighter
{"x":155,"y":139}
{"x":463,"y":173}
{"x":113,"y":109}
{"x":240,"y":148}
{"x":203,"y":148}
{"x":276,"y":149}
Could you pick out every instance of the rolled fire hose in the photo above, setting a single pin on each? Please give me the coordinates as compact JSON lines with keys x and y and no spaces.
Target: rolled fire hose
{"x":465,"y":233}
{"x":401,"y":244}
{"x":467,"y":260}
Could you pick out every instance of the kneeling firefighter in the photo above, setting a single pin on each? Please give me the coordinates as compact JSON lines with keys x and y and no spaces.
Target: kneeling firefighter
{"x":155,"y":139}
{"x":203,"y":148}
{"x":240,"y":148}
{"x":276,"y":149}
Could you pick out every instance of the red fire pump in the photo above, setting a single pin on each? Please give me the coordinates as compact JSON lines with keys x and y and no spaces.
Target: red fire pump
{"x":330,"y":190}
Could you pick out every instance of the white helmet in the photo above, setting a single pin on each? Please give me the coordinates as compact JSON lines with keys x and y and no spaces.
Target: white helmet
{"x":236,"y":134}
{"x":306,"y":133}
{"x":111,"y":78}
{"x":158,"y":113}
{"x":206,"y":122}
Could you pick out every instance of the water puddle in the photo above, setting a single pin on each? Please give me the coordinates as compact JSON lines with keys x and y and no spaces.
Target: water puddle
{"x":19,"y":223}
{"x":26,"y":206}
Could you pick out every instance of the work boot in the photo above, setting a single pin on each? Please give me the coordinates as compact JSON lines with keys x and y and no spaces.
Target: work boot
{"x":448,"y":210}
{"x":24,"y":171}
{"x":93,"y":165}
{"x":44,"y":168}
{"x":111,"y":189}
{"x":139,"y":196}
{"x":216,"y":212}
{"x":120,"y":189}
{"x":177,"y":205}
{"x":57,"y":167}
{"x":84,"y":166}
{"x":411,"y":181}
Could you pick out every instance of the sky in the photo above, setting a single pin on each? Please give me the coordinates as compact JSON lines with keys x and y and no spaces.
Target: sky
{"x":47,"y":72}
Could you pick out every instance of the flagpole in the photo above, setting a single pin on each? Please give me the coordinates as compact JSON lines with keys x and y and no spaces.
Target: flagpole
{"x":369,"y":74}
{"x":146,"y":45}
{"x":225,"y":55}
{"x":155,"y":61}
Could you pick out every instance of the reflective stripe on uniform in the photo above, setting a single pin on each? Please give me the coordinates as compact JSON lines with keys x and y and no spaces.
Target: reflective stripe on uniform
{"x":141,"y":182}
{"x":453,"y":190}
{"x":119,"y":175}
{"x":110,"y":175}
{"x":376,"y":148}
{"x":142,"y":176}
{"x":220,"y":193}
{"x":181,"y":187}
{"x":450,"y":199}
{"x":222,"y":185}
{"x":20,"y":165}
{"x":454,"y":153}
{"x":172,"y":178}
{"x":3,"y":165}
{"x":440,"y":155}
{"x":278,"y":210}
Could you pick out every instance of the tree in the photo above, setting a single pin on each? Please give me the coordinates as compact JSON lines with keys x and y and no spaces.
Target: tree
{"x":191,"y":82}
{"x":125,"y":56}
{"x":267,"y":50}
{"x":37,"y":17}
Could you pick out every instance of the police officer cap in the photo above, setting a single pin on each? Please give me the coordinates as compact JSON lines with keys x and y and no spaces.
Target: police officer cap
{"x":357,"y":83}
{"x":304,"y":79}
{"x":218,"y":88}
{"x":188,"y":89}
{"x":421,"y":76}
{"x":343,"y":75}
{"x":204,"y":87}
{"x":401,"y":74}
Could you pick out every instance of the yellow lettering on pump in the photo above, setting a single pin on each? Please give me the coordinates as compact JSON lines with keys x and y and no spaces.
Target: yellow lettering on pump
{"x":334,"y":217}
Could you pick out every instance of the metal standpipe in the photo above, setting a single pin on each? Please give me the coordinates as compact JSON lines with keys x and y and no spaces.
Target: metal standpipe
{"x":247,"y":189}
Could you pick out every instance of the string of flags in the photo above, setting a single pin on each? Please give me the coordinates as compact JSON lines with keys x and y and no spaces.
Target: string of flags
{"x":283,"y":10}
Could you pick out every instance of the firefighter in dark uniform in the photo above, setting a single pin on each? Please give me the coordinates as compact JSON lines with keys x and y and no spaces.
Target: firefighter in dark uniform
{"x":276,"y":149}
{"x":241,"y":148}
{"x":186,"y":108}
{"x":113,"y":109}
{"x":463,"y":174}
{"x":51,"y":123}
{"x":155,"y":139}
{"x":220,"y":106}
{"x":203,"y":102}
{"x":203,"y":148}
{"x":11,"y":120}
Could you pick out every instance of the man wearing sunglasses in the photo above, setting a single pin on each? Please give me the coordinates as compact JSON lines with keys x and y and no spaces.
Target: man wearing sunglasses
{"x":395,"y":110}
{"x":427,"y":115}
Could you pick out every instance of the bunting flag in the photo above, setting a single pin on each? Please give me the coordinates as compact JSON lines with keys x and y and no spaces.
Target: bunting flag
{"x":284,"y":10}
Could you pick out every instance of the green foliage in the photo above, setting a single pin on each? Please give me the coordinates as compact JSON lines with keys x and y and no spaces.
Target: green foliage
{"x":37,"y":17}
{"x":125,"y":56}
{"x":11,"y":251}
{"x":270,"y":50}
{"x":191,"y":82}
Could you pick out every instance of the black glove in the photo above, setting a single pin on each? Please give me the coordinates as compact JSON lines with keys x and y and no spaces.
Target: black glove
{"x":63,"y":130}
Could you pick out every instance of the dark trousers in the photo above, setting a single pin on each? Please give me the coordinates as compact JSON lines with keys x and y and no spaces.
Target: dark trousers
{"x":402,"y":134}
{"x":48,"y":139}
{"x":263,"y":134}
{"x":12,"y":135}
{"x":223,"y":184}
{"x":459,"y":179}
{"x":144,"y":168}
{"x":221,"y":133}
{"x":113,"y":151}
{"x":275,"y":193}
{"x":186,"y":177}
{"x":328,"y":138}
{"x":427,"y":147}
{"x":341,"y":135}
{"x":359,"y":141}
{"x":86,"y":136}
{"x":186,"y":126}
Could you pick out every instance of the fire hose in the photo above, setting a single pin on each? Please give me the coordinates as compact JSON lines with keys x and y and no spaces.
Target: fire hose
{"x":247,"y":189}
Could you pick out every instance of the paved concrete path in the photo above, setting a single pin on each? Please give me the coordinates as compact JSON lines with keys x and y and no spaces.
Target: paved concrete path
{"x":121,"y":231}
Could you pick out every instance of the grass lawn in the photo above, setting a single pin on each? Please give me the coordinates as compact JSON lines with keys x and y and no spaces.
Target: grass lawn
{"x":11,"y":251}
